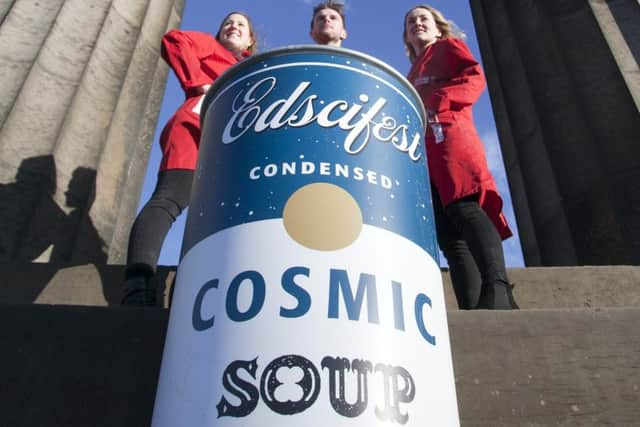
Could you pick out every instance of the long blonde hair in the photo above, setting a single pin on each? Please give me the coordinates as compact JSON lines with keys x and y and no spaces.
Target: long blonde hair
{"x":447,"y":27}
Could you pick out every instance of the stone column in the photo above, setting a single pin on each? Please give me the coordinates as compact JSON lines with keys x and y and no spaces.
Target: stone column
{"x":563,"y":79}
{"x":81,"y":90}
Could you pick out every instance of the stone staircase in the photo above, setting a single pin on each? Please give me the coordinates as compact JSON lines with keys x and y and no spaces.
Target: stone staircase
{"x":571,"y":356}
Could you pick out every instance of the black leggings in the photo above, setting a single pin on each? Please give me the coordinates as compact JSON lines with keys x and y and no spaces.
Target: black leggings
{"x":169,"y":199}
{"x":473,"y":248}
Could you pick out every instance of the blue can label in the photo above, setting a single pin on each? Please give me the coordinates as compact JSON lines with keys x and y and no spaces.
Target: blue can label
{"x":309,"y":292}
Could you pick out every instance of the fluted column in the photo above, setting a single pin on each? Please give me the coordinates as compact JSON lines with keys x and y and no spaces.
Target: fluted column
{"x":77,"y":115}
{"x":568,"y":127}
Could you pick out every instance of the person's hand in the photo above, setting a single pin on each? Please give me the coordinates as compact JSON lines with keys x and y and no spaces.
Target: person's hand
{"x":432,"y":117}
{"x":202,"y":89}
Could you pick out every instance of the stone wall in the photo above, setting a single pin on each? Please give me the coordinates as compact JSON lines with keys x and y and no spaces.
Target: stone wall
{"x":81,"y":90}
{"x":565,"y":83}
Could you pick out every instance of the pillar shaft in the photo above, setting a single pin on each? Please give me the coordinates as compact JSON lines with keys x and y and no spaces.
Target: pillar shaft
{"x":568,"y":124}
{"x":77,"y":115}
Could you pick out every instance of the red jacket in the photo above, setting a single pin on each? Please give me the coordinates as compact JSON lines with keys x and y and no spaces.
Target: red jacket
{"x":449,"y":80}
{"x":196,"y":59}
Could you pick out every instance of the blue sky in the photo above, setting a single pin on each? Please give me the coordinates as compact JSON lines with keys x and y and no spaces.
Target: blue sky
{"x":375,"y":28}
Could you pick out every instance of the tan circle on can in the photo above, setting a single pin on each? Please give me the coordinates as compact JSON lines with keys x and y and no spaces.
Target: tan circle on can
{"x":322,"y":216}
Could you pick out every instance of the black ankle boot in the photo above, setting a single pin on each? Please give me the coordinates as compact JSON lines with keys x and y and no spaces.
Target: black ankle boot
{"x":497,"y":296}
{"x":138,"y":291}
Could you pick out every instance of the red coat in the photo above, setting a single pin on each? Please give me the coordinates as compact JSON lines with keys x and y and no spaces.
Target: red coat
{"x":449,"y":80}
{"x":197,"y":59}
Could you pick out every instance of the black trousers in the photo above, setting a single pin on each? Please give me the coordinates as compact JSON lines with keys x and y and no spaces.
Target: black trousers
{"x":169,"y":199}
{"x":473,"y":248}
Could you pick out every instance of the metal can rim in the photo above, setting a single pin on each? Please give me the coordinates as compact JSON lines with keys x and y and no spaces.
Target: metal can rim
{"x":230,"y":72}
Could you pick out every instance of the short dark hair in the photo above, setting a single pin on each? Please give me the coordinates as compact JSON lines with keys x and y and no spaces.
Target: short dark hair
{"x":330,"y":4}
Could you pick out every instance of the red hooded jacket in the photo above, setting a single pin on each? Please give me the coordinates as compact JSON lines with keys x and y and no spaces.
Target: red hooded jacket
{"x":449,"y":80}
{"x":196,"y":59}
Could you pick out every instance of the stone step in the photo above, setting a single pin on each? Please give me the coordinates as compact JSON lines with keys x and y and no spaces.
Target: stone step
{"x":88,"y":284}
{"x":570,"y":287}
{"x":542,"y":287}
{"x":568,"y":367}
{"x":83,"y":366}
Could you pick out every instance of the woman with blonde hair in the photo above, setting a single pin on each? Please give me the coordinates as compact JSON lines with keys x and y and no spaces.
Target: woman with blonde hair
{"x":468,"y":209}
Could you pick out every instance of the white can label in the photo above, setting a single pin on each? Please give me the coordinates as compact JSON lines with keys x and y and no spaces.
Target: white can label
{"x":308,"y":339}
{"x":309,"y":293}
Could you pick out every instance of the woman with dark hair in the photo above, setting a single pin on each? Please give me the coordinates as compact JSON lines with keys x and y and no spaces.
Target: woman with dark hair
{"x":468,"y":209}
{"x":197,"y":59}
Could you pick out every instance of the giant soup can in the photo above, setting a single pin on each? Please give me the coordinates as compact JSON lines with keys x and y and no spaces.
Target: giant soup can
{"x":309,"y":291}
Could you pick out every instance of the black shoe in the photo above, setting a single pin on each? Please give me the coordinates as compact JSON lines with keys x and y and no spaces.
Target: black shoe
{"x":498,"y":296}
{"x":138,"y":291}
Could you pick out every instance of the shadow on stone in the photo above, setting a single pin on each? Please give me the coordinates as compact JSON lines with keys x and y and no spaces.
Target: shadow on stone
{"x":37,"y":226}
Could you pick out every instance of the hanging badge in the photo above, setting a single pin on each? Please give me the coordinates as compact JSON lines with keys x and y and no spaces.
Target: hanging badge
{"x":437,"y":132}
